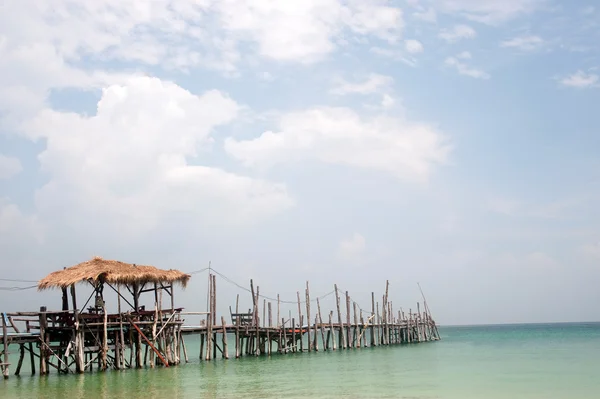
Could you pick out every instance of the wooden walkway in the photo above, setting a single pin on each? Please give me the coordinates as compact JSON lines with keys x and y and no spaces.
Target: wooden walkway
{"x":74,"y":342}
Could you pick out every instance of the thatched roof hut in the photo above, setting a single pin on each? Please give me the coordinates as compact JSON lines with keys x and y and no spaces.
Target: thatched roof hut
{"x":113,"y":272}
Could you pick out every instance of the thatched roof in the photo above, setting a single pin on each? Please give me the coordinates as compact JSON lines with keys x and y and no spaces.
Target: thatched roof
{"x":113,"y":272}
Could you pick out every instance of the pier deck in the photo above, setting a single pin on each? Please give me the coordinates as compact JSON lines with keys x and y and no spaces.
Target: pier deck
{"x":74,"y":341}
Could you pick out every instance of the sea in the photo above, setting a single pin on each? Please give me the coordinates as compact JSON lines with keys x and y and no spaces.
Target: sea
{"x":534,"y":361}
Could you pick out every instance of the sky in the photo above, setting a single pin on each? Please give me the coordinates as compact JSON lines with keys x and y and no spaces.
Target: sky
{"x":451,"y":143}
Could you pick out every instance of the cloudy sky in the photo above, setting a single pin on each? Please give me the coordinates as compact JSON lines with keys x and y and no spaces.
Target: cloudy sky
{"x":455,"y":143}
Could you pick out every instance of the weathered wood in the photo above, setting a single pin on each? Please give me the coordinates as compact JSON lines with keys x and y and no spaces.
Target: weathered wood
{"x":6,"y":362}
{"x":224,"y":333}
{"x":321,"y":325}
{"x":43,"y":358}
{"x":355,"y":337}
{"x":348,"y":327}
{"x":372,"y":328}
{"x":160,"y":356}
{"x":301,"y":324}
{"x":340,"y":322}
{"x":21,"y":357}
{"x":307,"y":294}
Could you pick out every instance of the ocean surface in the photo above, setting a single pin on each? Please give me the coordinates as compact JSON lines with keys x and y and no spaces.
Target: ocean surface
{"x":545,"y":361}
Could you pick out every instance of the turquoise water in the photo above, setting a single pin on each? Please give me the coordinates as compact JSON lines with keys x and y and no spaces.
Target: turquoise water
{"x":553,"y":361}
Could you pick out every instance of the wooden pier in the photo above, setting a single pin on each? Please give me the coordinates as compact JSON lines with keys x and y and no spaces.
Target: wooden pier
{"x":75,"y":341}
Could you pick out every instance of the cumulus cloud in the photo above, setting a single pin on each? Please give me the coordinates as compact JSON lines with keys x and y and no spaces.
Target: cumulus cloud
{"x":137,"y":160}
{"x":9,"y":166}
{"x":333,"y":135}
{"x":413,"y":46}
{"x":526,"y":43}
{"x":492,"y":12}
{"x":463,"y":68}
{"x":456,"y":33}
{"x":373,"y":83}
{"x":581,"y":79}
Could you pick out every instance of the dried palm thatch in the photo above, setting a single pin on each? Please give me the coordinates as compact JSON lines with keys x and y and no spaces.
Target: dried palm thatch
{"x":113,"y":272}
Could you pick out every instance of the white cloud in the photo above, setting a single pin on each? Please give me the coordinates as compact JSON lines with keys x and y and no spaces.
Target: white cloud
{"x":340,"y":136}
{"x":18,"y":229}
{"x":458,"y":32}
{"x":387,"y":101}
{"x":524,"y":42}
{"x":465,"y":55}
{"x":373,"y":83}
{"x":413,"y":46}
{"x":41,"y":45}
{"x":491,"y":12}
{"x":353,"y":248}
{"x":136,"y":161}
{"x":465,"y":69}
{"x":581,"y":79}
{"x":426,"y":15}
{"x":9,"y":167}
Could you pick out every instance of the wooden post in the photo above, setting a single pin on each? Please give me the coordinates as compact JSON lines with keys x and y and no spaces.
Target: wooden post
{"x":310,"y":343}
{"x":384,"y":309}
{"x":237,"y":327}
{"x":300,"y":321}
{"x":356,"y":342}
{"x":225,"y":351}
{"x":294,"y":344}
{"x":378,"y":335}
{"x":348,"y":321}
{"x":257,"y":338}
{"x":372,"y":329}
{"x":209,"y":320}
{"x":278,"y":306}
{"x":21,"y":357}
{"x":340,"y":322}
{"x":332,"y":331}
{"x":5,"y":362}
{"x":104,"y":337}
{"x":321,"y":325}
{"x":43,"y":358}
{"x":214,"y":313}
{"x":285,"y":349}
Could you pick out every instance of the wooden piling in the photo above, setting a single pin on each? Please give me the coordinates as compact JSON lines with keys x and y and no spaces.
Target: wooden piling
{"x":348,"y":321}
{"x":224,"y":333}
{"x":300,"y":321}
{"x":342,"y":342}
{"x":310,"y":343}
{"x":6,"y":362}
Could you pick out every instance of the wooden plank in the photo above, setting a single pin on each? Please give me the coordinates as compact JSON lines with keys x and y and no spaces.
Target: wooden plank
{"x":160,"y":356}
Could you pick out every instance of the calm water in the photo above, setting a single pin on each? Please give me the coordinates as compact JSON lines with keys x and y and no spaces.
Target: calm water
{"x":555,"y":361}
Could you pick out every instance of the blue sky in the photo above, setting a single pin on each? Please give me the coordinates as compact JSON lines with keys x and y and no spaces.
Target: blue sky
{"x":450,"y":142}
